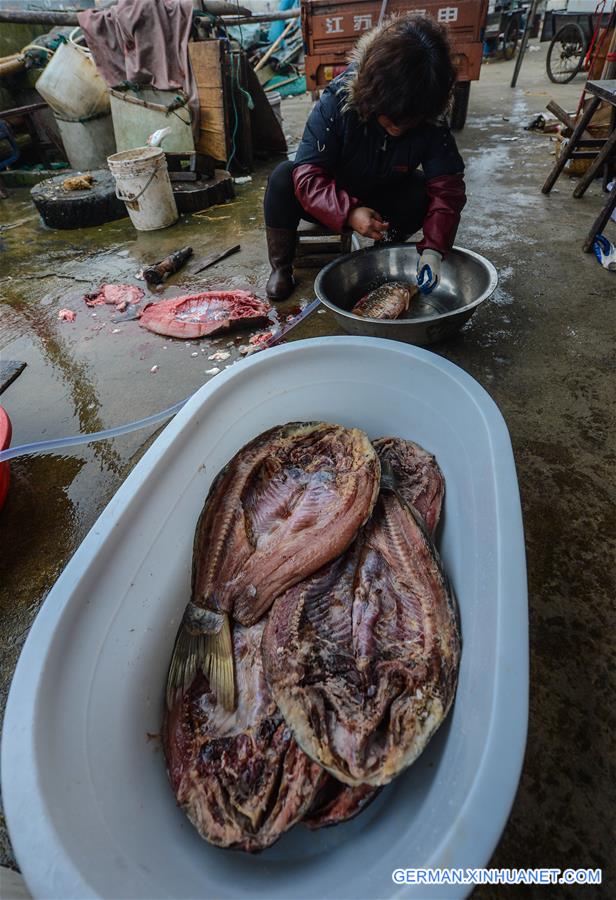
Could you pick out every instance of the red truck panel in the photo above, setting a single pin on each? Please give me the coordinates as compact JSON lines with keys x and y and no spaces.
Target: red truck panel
{"x":331,"y":29}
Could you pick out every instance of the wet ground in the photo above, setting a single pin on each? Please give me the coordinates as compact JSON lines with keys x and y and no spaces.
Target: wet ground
{"x":543,"y":347}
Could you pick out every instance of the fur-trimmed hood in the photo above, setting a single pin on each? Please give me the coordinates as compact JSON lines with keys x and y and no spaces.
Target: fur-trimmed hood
{"x":348,"y":80}
{"x":356,"y":57}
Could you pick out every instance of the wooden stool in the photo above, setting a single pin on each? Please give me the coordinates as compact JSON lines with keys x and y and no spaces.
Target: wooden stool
{"x":604,"y":155}
{"x":315,"y":241}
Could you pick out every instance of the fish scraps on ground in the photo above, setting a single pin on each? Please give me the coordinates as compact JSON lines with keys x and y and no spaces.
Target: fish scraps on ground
{"x":206,"y":313}
{"x":119,"y":295}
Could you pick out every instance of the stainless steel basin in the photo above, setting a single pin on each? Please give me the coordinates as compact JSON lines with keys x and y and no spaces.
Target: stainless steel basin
{"x":467,"y":279}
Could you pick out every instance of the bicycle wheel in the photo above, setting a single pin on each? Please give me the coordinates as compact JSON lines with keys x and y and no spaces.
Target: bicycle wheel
{"x":566,"y":53}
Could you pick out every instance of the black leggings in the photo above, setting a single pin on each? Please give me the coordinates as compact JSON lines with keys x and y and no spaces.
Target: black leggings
{"x":403,"y":203}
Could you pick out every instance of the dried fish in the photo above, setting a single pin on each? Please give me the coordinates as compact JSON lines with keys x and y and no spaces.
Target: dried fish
{"x":336,"y":803}
{"x":419,"y":481}
{"x":418,"y":478}
{"x":240,"y":777}
{"x":286,"y":504}
{"x":362,"y":657}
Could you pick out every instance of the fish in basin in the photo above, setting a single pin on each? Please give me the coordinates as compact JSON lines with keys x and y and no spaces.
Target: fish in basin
{"x":388,"y":301}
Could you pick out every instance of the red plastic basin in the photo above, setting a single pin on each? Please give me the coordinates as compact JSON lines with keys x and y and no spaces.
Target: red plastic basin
{"x":5,"y":440}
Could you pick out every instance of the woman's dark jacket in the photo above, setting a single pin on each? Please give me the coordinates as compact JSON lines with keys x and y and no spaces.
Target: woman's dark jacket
{"x":341,"y":158}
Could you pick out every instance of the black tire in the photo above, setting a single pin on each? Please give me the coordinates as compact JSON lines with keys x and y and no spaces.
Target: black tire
{"x":511,"y":37}
{"x":192,"y":196}
{"x":566,"y":53}
{"x":459,"y":109}
{"x":78,"y":209}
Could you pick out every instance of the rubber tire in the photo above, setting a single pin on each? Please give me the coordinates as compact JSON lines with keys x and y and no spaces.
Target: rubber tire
{"x":557,"y":39}
{"x":459,"y":109}
{"x":78,"y":209}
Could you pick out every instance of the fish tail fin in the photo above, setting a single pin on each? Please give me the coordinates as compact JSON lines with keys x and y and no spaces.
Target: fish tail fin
{"x":389,"y":481}
{"x":218,"y":664}
{"x":203,"y":643}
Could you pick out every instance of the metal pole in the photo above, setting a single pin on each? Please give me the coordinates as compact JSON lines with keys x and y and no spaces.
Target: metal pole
{"x":265,"y":17}
{"x":529,"y":20}
{"x":40,"y":17}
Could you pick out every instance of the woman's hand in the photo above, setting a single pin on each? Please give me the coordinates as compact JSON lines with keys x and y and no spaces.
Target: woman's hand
{"x":367,"y":222}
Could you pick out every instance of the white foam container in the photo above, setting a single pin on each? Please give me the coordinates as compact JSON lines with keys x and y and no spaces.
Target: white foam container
{"x":89,"y":808}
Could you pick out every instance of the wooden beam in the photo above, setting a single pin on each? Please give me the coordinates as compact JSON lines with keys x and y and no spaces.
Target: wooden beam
{"x":44,"y":17}
{"x":560,"y":114}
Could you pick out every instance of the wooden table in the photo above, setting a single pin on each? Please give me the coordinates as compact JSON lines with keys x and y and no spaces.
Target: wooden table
{"x":600,"y":91}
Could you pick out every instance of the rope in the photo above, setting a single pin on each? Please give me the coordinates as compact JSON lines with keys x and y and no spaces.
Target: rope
{"x":250,"y":102}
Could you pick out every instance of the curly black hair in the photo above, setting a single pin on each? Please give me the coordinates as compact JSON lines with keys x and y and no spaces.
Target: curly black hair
{"x":404,"y":71}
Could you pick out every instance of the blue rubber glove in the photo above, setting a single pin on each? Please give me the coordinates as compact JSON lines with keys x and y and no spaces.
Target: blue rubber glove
{"x":605,"y":252}
{"x":428,"y":271}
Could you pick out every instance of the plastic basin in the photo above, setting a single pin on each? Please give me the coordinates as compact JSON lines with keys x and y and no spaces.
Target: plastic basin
{"x":5,"y":441}
{"x":88,"y":805}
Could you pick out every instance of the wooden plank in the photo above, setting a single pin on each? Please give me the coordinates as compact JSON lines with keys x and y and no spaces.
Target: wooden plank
{"x":206,"y":61}
{"x":9,"y":370}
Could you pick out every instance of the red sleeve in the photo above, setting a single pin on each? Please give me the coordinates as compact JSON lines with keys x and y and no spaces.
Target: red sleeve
{"x":446,"y":199}
{"x":318,"y":194}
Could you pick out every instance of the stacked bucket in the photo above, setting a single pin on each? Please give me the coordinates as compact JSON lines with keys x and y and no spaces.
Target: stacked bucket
{"x":79,"y":98}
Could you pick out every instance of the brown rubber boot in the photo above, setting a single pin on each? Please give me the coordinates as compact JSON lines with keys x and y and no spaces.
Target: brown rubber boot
{"x":280,"y":250}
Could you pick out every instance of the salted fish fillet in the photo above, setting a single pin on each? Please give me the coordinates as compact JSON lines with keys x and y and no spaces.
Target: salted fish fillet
{"x":362,"y":657}
{"x":240,"y":777}
{"x":336,"y":803}
{"x":420,"y":482}
{"x":418,"y":477}
{"x":290,"y":501}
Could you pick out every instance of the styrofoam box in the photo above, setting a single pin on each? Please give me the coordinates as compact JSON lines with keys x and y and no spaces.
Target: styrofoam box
{"x":88,"y":804}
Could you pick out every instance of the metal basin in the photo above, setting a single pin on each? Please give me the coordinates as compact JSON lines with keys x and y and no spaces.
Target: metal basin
{"x":467,"y":279}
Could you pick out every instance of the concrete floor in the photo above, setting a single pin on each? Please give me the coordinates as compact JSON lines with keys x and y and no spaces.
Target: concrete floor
{"x":543,"y":347}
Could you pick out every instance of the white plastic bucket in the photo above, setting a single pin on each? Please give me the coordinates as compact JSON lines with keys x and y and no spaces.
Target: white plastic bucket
{"x":142,"y":181}
{"x":71,"y":84}
{"x":87,"y":142}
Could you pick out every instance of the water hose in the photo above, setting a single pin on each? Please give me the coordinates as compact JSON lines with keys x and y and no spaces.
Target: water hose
{"x":78,"y":439}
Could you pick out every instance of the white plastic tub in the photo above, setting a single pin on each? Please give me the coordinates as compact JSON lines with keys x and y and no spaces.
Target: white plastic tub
{"x":71,"y":84}
{"x":88,"y":805}
{"x":137,"y":115}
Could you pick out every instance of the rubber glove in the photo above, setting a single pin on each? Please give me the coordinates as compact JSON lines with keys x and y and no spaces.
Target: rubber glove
{"x":428,"y":271}
{"x":605,"y":252}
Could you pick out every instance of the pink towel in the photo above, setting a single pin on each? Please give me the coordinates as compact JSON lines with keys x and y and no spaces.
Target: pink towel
{"x":145,"y":41}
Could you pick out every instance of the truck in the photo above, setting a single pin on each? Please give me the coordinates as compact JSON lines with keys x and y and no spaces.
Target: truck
{"x":331,"y":27}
